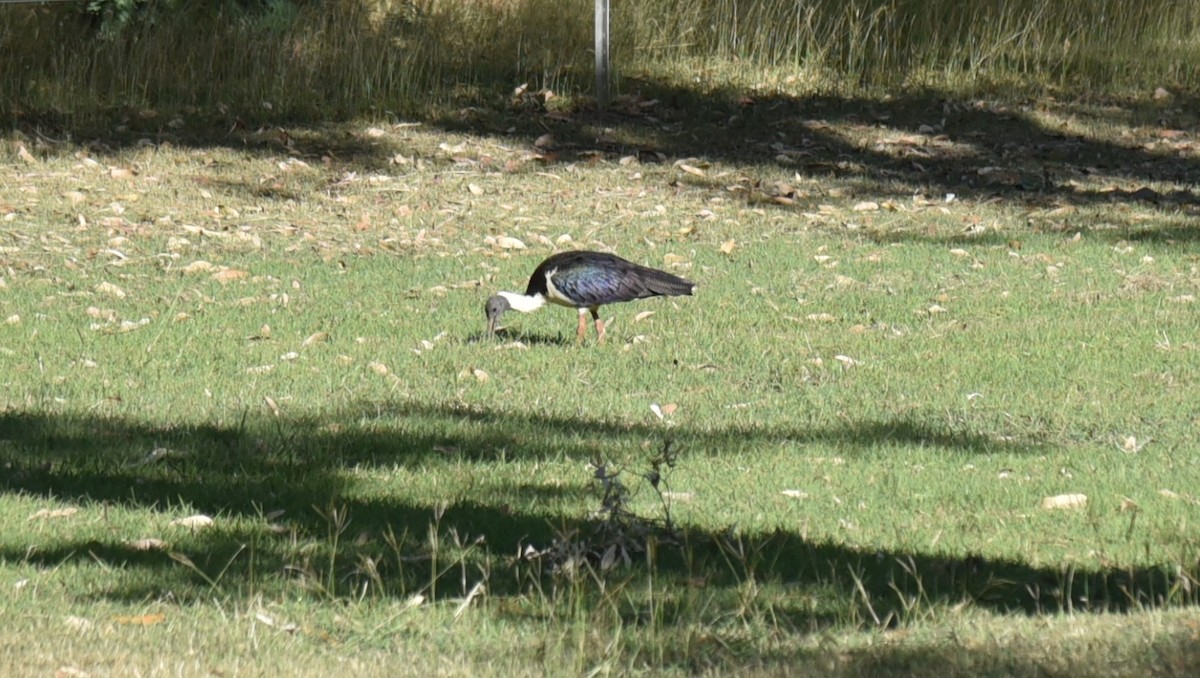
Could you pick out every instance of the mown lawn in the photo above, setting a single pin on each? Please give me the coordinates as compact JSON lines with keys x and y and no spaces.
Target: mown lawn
{"x":920,"y":329}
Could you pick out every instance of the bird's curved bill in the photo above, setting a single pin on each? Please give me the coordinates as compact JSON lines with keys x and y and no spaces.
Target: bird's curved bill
{"x":491,"y":330}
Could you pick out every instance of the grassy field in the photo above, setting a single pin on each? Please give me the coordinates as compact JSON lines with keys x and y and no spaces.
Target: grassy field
{"x":933,"y":407}
{"x":905,"y":340}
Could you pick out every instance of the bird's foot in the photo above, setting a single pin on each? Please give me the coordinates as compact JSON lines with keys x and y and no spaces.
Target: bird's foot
{"x":581,"y":331}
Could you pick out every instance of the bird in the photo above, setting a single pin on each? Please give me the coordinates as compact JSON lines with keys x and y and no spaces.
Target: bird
{"x":585,"y":281}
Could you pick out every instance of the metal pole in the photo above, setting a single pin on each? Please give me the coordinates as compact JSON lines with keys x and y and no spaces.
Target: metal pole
{"x":602,"y":64}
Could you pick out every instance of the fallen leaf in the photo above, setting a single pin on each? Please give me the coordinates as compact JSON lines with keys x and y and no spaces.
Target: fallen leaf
{"x":229,"y":275}
{"x":609,"y":558}
{"x":480,"y":375}
{"x":140,"y":620}
{"x":508,"y":243}
{"x":865,"y":206}
{"x":156,"y":454}
{"x":55,"y":513}
{"x":24,"y":154}
{"x":148,"y":544}
{"x":477,"y":590}
{"x":131,"y":325}
{"x":293,"y":164}
{"x":475,"y":189}
{"x":379,"y":368}
{"x":111,"y":290}
{"x":200,"y":266}
{"x":642,"y":316}
{"x":669,"y":408}
{"x":1065,"y":501}
{"x":195,"y":522}
{"x":795,"y":494}
{"x":695,"y":171}
{"x":121,"y":173}
{"x":727,"y":247}
{"x":79,"y":624}
{"x":315,"y":338}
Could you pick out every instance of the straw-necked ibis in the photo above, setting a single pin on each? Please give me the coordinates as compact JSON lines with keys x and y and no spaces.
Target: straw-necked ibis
{"x":586,"y":281}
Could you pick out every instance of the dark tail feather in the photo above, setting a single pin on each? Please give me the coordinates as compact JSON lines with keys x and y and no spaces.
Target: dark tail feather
{"x":661,"y":282}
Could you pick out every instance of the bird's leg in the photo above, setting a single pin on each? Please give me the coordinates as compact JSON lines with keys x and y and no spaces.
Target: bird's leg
{"x":599,"y":325}
{"x":579,"y":336}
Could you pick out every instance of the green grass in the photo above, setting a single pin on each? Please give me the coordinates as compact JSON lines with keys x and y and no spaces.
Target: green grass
{"x":872,"y":401}
{"x":920,"y":313}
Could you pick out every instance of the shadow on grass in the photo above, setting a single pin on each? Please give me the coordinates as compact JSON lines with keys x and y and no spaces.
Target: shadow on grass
{"x":481,"y":434}
{"x":505,"y":334}
{"x":308,"y":470}
{"x":930,"y":145}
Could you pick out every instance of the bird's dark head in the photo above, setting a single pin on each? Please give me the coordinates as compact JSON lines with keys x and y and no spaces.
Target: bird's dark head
{"x":494,"y":308}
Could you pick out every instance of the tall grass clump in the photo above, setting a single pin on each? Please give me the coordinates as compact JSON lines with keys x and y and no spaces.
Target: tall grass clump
{"x":1089,"y":44}
{"x":287,"y":58}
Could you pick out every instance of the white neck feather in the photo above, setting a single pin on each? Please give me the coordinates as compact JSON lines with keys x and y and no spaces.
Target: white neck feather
{"x":522,"y":303}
